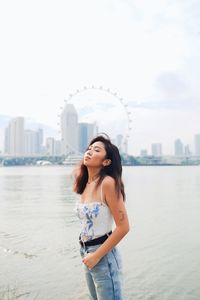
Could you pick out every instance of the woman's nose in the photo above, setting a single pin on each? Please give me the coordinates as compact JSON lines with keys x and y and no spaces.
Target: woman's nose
{"x":89,"y":152}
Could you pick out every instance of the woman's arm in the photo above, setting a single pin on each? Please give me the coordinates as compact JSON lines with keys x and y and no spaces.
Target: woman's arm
{"x":118,"y":210}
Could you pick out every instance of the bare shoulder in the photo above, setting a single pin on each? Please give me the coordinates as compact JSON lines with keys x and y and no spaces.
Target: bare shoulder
{"x":110,"y":191}
{"x":109,"y":186}
{"x":108,"y":182}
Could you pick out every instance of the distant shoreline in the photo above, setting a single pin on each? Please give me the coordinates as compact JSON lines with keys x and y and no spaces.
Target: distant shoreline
{"x":67,"y":166}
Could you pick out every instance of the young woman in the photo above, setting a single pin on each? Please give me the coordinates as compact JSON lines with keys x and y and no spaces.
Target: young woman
{"x":98,"y":181}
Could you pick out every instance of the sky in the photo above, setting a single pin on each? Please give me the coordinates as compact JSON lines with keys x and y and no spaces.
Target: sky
{"x":148,"y":52}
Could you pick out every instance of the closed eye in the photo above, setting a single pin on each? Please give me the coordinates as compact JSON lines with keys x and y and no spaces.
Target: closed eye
{"x":97,"y":149}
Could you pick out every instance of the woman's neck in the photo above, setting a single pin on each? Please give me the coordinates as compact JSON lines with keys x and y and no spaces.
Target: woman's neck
{"x":93,"y":174}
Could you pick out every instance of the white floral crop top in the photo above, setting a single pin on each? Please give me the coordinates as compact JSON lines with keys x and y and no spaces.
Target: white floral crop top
{"x":96,"y":219}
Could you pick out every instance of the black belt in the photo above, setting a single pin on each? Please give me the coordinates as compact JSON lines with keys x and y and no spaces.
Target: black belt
{"x":96,"y":241}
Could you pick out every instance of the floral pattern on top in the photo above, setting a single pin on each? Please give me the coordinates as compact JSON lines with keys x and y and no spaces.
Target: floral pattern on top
{"x":87,"y":215}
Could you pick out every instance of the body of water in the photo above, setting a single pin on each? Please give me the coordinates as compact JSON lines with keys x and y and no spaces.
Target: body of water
{"x":39,"y":251}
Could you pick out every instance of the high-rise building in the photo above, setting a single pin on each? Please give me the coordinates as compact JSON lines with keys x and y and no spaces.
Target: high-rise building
{"x":197,"y":144}
{"x":50,"y":146}
{"x":86,"y":133}
{"x":178,"y":147}
{"x":33,"y":141}
{"x":92,"y":131}
{"x":6,"y":141}
{"x":187,"y":150}
{"x":14,"y":137}
{"x":69,"y":130}
{"x":53,"y":147}
{"x":125,"y":147}
{"x":57,"y":147}
{"x":30,"y":142}
{"x":39,"y":143}
{"x":119,"y":142}
{"x":83,"y":136}
{"x":156,"y":149}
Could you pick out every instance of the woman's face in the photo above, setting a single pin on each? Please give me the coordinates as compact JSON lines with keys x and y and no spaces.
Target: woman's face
{"x":95,"y":155}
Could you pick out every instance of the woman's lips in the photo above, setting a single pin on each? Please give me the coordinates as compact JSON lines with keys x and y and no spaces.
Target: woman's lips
{"x":87,"y":157}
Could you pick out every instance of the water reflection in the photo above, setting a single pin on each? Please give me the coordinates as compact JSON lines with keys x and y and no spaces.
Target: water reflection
{"x":39,"y":233}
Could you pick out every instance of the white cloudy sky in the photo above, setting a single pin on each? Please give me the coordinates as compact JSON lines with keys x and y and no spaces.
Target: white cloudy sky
{"x":146,"y":51}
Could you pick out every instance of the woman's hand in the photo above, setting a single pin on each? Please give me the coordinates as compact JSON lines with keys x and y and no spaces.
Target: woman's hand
{"x":90,"y":260}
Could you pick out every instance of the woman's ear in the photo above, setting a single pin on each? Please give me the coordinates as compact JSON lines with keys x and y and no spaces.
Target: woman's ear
{"x":107,"y":162}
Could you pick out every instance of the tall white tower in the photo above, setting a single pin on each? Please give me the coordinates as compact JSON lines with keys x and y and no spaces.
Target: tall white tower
{"x":178,"y":147}
{"x":50,"y":146}
{"x":30,"y":142}
{"x":197,"y":144}
{"x":156,"y":149}
{"x":69,"y":130}
{"x":87,"y":131}
{"x":15,"y":137}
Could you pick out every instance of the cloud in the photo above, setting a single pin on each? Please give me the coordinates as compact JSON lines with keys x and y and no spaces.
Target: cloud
{"x":168,"y":104}
{"x":171,"y":84}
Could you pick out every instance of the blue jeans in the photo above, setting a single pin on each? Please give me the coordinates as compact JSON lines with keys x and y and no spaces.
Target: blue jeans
{"x":104,"y":280}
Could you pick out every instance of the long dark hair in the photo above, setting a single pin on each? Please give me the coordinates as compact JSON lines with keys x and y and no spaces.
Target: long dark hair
{"x":114,"y":169}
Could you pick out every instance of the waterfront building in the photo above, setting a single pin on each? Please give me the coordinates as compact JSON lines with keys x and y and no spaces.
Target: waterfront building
{"x":87,"y":131}
{"x":39,"y":141}
{"x":14,"y":137}
{"x":50,"y":146}
{"x":33,"y":141}
{"x":178,"y":147}
{"x":187,"y":151}
{"x":156,"y":149}
{"x":124,"y":147}
{"x":197,"y":144}
{"x":119,"y":142}
{"x":57,"y":147}
{"x":69,"y":130}
{"x":6,"y":141}
{"x":30,"y":142}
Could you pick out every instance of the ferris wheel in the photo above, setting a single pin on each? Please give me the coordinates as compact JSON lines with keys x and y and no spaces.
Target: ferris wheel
{"x":126,"y":123}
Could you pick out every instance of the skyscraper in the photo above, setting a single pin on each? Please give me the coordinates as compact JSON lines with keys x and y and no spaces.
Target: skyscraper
{"x":86,"y":133}
{"x":83,"y":136}
{"x":33,"y":141}
{"x":6,"y":141}
{"x":39,"y":143}
{"x":156,"y":149}
{"x":50,"y":146}
{"x":14,"y":137}
{"x":124,"y":148}
{"x":187,"y":150}
{"x":30,"y":142}
{"x":197,"y":144}
{"x":119,"y":142}
{"x":57,"y":147}
{"x":178,"y":147}
{"x":69,"y":130}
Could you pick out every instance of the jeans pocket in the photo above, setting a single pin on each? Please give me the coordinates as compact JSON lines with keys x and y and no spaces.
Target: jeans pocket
{"x":91,"y":249}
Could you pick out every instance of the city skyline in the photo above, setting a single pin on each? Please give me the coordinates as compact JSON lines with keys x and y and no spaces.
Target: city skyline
{"x":179,"y":147}
{"x":147,"y":52}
